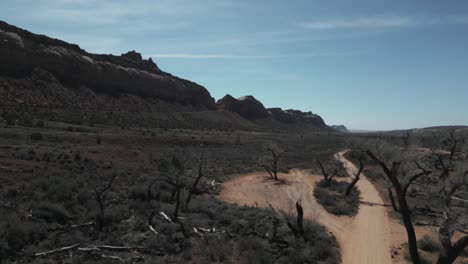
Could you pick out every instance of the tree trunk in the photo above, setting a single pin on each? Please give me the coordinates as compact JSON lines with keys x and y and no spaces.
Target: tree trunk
{"x":404,"y":210}
{"x":392,"y":199}
{"x":194,"y":186}
{"x":356,"y":177}
{"x":412,"y":241}
{"x":275,"y":169}
{"x":351,"y":185}
{"x":300,"y":217}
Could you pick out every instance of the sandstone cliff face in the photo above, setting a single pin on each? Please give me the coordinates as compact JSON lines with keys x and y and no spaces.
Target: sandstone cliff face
{"x":247,"y":106}
{"x":48,"y":79}
{"x":21,"y":52}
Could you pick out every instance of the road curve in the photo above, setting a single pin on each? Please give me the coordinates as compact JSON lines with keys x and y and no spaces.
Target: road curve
{"x":364,"y":238}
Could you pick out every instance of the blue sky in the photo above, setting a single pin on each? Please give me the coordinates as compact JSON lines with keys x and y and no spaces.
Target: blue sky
{"x":368,"y":64}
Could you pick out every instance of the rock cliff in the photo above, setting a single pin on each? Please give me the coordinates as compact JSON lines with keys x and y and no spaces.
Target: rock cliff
{"x":247,"y":106}
{"x":21,"y":52}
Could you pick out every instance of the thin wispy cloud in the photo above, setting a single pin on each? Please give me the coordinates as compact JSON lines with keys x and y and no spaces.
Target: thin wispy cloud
{"x":383,"y":22}
{"x":108,"y":12}
{"x":191,"y":56}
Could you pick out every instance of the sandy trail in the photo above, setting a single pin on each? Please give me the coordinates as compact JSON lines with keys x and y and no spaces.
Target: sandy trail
{"x":363,"y":238}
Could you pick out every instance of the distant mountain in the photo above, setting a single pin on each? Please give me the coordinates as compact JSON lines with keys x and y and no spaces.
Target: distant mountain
{"x":46,"y":78}
{"x":340,"y":128}
{"x":445,"y":127}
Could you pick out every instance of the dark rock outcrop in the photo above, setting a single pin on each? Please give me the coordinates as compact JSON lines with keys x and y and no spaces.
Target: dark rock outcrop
{"x":282,"y":116}
{"x":251,"y":109}
{"x":21,"y":52}
{"x":296,"y":117}
{"x":247,"y":106}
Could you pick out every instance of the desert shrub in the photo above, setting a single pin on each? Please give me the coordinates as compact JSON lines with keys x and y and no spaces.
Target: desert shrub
{"x":322,"y":248}
{"x":61,"y":189}
{"x":354,"y":156}
{"x":36,"y":136}
{"x":255,"y":250}
{"x":429,"y":244}
{"x":332,"y":166}
{"x":11,"y":192}
{"x":20,"y":234}
{"x":334,"y":200}
{"x":115,"y":213}
{"x":4,"y":250}
{"x":138,"y":192}
{"x":218,"y":251}
{"x":40,"y":124}
{"x":52,"y":212}
{"x":374,"y":174}
{"x":10,"y":117}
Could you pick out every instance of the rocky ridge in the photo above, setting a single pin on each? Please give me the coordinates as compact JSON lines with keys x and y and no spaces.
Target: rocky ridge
{"x":21,"y":52}
{"x":42,"y":78}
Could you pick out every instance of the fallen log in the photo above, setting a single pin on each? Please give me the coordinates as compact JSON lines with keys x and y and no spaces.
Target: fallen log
{"x":42,"y":254}
{"x":93,"y":248}
{"x":374,"y":204}
{"x":111,"y":248}
{"x":153,"y":230}
{"x":164,"y":215}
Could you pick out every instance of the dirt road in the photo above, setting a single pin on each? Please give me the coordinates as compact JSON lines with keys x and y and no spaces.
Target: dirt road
{"x":363,"y":238}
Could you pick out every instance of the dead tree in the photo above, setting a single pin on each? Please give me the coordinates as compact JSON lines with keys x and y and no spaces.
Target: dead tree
{"x":392,"y":172}
{"x":171,"y":174}
{"x":99,"y":196}
{"x":445,"y":171}
{"x":193,"y":188}
{"x":356,"y":178}
{"x":327,"y":177}
{"x":296,"y":228}
{"x":450,"y":170}
{"x":451,"y":224}
{"x":270,"y":162}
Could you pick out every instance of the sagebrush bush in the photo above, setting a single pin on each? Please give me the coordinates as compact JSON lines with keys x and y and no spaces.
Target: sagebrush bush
{"x":334,"y":200}
{"x":139,"y":192}
{"x":52,"y":212}
{"x":20,"y":234}
{"x":36,"y":136}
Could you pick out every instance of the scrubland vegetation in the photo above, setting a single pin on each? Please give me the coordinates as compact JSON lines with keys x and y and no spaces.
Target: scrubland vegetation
{"x":103,"y":194}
